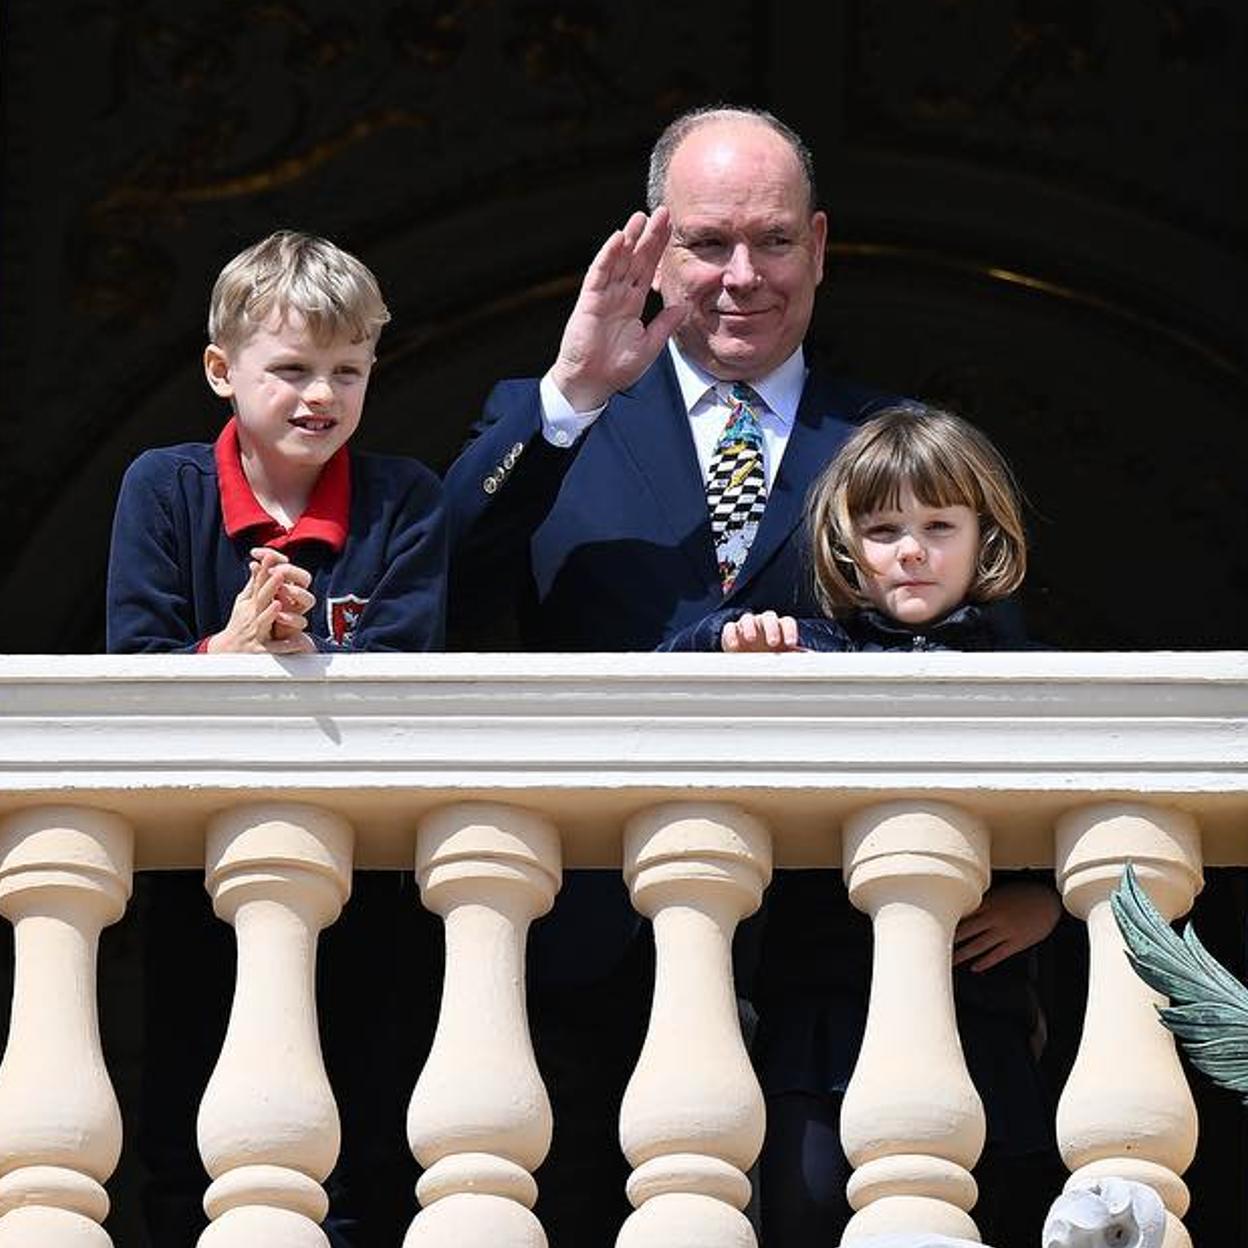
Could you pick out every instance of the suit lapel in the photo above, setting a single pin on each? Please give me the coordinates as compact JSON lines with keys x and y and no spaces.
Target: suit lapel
{"x":650,"y":424}
{"x":825,"y":417}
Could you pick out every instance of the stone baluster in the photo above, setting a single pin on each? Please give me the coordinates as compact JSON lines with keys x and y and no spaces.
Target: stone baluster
{"x":64,"y":875}
{"x":1126,"y":1110}
{"x":479,"y":1121}
{"x":268,"y":1126}
{"x":912,"y":1123}
{"x":692,"y":1118}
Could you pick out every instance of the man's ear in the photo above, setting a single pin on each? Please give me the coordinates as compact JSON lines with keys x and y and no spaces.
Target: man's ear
{"x":819,"y":238}
{"x":217,"y":370}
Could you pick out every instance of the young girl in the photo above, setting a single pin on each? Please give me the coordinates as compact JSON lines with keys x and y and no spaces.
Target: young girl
{"x":917,"y":540}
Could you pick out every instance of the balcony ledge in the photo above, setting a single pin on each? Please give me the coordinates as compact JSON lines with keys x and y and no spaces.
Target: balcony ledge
{"x":799,"y":740}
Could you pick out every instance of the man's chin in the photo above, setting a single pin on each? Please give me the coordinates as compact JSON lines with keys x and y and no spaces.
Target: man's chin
{"x":740,"y":359}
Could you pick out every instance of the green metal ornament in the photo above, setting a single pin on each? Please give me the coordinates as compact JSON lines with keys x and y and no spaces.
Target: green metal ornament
{"x":1208,"y":1008}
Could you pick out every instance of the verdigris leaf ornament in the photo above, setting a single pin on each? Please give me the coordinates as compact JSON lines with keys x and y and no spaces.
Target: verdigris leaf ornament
{"x":1208,"y":1007}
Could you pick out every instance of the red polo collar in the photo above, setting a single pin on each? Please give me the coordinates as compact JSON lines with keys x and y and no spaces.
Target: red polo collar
{"x":325,"y":519}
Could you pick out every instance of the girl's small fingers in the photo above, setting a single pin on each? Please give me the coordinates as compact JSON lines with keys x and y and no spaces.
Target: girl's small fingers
{"x":993,"y":957}
{"x":972,"y":925}
{"x":970,"y":949}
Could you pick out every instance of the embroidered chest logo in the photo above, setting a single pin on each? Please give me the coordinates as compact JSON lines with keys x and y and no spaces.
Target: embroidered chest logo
{"x":344,"y":617}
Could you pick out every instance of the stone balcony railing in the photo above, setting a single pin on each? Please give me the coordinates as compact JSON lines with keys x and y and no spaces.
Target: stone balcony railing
{"x":695,"y":774}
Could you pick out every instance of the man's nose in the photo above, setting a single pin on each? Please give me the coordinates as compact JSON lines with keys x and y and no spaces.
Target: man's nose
{"x":740,"y":272}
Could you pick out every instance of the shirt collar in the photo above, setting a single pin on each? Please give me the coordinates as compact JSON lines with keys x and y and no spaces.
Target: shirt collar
{"x":781,"y":389}
{"x":325,"y":519}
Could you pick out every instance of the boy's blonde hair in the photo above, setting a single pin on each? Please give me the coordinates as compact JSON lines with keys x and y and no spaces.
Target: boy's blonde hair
{"x":945,"y":462}
{"x":294,"y":272}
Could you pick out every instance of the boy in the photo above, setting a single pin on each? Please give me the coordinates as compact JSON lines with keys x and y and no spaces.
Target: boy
{"x":277,"y":538}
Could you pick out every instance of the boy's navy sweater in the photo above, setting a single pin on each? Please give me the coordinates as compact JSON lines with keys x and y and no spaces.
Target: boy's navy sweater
{"x":378,"y":569}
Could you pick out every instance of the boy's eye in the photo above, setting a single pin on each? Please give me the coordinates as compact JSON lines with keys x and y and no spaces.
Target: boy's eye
{"x":289,"y":370}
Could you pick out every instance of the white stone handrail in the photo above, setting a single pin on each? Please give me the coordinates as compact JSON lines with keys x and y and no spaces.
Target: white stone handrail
{"x":693,"y":774}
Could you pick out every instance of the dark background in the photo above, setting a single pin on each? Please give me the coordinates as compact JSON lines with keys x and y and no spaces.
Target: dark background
{"x":1037,"y":213}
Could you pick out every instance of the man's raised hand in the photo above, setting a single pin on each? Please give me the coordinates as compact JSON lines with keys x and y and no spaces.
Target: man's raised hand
{"x":606,"y":346}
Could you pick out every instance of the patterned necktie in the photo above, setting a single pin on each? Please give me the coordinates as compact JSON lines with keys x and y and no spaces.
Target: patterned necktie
{"x":736,"y":490}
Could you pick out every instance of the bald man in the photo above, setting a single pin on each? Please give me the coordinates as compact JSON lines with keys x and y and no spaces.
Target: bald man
{"x":638,"y":486}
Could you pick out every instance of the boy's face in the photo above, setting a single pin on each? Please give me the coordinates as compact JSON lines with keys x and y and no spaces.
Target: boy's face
{"x":294,"y":400}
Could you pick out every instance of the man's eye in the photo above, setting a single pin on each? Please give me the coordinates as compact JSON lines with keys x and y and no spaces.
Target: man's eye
{"x":777,"y":242}
{"x":705,"y":246}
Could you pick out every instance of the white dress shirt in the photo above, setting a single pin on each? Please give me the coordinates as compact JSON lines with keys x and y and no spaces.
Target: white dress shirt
{"x":708,"y":407}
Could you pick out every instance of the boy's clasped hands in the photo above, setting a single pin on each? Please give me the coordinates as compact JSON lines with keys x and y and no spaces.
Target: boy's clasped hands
{"x":270,"y":614}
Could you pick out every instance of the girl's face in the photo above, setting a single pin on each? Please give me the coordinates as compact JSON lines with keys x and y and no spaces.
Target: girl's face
{"x":920,"y":560}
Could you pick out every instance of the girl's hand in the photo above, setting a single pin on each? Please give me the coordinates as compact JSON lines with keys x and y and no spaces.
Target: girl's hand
{"x":766,"y":633}
{"x":1012,"y":917}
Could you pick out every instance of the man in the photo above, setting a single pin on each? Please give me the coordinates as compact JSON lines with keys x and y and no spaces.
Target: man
{"x":630,"y":492}
{"x":580,"y":508}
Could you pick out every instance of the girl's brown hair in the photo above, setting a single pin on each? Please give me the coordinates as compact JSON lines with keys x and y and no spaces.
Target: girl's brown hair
{"x":945,"y":462}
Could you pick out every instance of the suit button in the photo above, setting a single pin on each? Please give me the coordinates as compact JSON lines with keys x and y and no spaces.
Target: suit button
{"x":509,"y":460}
{"x":515,"y":450}
{"x":490,"y":484}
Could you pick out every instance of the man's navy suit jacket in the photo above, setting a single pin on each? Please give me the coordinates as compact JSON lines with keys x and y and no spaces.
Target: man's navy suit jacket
{"x":607,"y":545}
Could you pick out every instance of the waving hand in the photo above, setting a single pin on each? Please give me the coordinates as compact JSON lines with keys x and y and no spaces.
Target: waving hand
{"x":606,"y":346}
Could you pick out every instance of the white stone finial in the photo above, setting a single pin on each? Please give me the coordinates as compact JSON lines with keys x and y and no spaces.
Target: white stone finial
{"x":65,"y":874}
{"x":911,"y":1122}
{"x":1110,"y":1213}
{"x":268,"y":1126}
{"x":692,"y":1119}
{"x":479,"y":1120}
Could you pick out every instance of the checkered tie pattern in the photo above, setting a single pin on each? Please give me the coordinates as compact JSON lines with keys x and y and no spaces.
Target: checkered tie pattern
{"x":736,"y":489}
